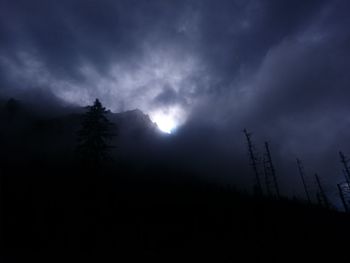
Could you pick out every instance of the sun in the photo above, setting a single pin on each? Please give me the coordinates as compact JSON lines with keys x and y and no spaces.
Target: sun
{"x":168,"y":120}
{"x":165,"y":122}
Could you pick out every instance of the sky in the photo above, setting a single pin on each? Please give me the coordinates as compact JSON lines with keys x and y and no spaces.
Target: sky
{"x":278,"y":68}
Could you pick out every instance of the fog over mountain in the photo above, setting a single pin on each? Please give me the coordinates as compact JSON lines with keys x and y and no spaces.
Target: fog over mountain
{"x":174,"y":130}
{"x":210,"y":68}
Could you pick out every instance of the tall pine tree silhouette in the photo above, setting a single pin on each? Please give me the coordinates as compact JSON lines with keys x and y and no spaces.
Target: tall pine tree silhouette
{"x":94,"y":136}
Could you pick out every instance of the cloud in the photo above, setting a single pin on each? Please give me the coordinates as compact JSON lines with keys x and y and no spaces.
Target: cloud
{"x":277,"y":68}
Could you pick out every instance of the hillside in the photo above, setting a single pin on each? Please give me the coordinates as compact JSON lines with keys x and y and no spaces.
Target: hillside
{"x":28,"y":135}
{"x":124,"y":217}
{"x":142,"y":205}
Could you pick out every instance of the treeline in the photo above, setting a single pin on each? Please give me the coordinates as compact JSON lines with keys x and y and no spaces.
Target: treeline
{"x":266,"y":178}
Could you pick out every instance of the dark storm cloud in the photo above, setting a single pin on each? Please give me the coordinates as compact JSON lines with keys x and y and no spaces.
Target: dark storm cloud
{"x":167,"y":97}
{"x":279,"y":68}
{"x":227,"y":35}
{"x":298,"y":96}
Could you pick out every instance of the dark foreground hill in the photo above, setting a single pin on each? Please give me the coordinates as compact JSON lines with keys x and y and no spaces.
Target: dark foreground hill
{"x":141,"y":206}
{"x":30,"y":134}
{"x":112,"y":216}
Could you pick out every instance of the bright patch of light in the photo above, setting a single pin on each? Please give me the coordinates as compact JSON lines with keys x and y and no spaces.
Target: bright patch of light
{"x":134,"y":83}
{"x":165,"y":123}
{"x":169,"y":119}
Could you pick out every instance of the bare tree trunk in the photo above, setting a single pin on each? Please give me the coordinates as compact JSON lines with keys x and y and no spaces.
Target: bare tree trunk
{"x":342,"y":197}
{"x":272,"y":169}
{"x":301,"y":172}
{"x":254,"y":162}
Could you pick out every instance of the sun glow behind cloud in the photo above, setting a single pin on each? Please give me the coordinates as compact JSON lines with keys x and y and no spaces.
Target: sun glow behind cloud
{"x":165,"y":123}
{"x":126,"y":85}
{"x":168,"y":120}
{"x":140,"y":84}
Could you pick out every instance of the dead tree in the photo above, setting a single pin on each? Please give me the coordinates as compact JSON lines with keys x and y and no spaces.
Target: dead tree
{"x":302,"y":175}
{"x":346,"y":178}
{"x":344,"y":191}
{"x":342,"y":198}
{"x":267,"y":177}
{"x":270,"y":169}
{"x":253,"y":162}
{"x":345,"y":163}
{"x":322,"y":193}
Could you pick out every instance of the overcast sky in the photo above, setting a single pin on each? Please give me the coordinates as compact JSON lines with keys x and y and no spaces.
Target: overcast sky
{"x":277,"y":68}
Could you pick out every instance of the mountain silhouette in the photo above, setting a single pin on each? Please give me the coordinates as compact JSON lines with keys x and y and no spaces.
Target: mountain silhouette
{"x":31,"y":135}
{"x":146,"y":203}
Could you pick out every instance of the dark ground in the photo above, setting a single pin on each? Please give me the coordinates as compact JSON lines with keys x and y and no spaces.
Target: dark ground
{"x":65,"y":213}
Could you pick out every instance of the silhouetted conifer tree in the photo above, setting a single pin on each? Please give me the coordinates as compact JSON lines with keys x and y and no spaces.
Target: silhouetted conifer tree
{"x":93,"y":147}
